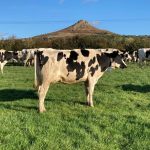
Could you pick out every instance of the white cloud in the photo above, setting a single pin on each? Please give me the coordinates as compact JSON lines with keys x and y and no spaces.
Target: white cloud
{"x":95,"y":23}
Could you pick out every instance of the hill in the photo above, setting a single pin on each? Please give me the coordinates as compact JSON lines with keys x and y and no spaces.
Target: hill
{"x":78,"y":35}
{"x":82,"y":27}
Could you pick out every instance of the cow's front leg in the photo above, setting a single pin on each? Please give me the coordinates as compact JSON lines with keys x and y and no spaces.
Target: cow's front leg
{"x":42,"y":93}
{"x":87,"y":91}
{"x":90,"y":88}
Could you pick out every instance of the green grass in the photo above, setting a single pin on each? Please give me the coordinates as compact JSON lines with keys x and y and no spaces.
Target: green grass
{"x":120,"y":119}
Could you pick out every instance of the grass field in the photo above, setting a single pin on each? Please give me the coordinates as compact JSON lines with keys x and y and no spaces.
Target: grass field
{"x":120,"y":119}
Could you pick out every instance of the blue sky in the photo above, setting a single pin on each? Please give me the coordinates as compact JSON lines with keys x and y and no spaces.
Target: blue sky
{"x":26,"y":18}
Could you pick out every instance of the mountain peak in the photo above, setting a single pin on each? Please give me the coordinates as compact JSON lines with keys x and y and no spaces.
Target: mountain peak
{"x":82,"y":27}
{"x":82,"y":22}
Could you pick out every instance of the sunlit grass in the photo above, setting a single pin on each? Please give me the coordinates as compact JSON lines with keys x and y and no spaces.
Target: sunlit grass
{"x":119,"y":120}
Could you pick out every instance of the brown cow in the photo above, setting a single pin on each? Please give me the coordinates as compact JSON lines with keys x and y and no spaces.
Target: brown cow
{"x":72,"y":66}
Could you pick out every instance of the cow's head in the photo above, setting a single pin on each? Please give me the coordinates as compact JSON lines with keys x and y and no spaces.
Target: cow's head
{"x":116,"y":59}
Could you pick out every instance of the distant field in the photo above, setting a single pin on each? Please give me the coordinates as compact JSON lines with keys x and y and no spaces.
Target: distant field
{"x":120,"y":119}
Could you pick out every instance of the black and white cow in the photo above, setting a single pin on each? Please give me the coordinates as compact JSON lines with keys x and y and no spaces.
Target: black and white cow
{"x":134,"y":56}
{"x":127,"y":57}
{"x":6,"y":56}
{"x":2,"y":61}
{"x":143,"y":55}
{"x":72,"y":66}
{"x":130,"y":56}
{"x":28,"y":55}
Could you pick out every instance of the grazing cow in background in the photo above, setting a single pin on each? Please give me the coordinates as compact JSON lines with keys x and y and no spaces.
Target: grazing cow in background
{"x":143,"y":55}
{"x":7,"y":56}
{"x":72,"y":66}
{"x":2,"y":61}
{"x":134,"y":56}
{"x":2,"y":51}
{"x":11,"y":56}
{"x":130,"y":56}
{"x":127,"y":57}
{"x":28,"y":55}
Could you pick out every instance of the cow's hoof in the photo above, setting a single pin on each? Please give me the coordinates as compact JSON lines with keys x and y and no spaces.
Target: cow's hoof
{"x":42,"y":110}
{"x":89,"y":104}
{"x":35,"y":87}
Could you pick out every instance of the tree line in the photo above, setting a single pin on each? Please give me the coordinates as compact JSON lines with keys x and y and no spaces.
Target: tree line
{"x":122,"y":42}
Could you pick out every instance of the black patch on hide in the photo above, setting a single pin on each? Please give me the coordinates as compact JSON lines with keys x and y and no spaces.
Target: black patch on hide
{"x":41,"y":58}
{"x":59,"y":56}
{"x":112,"y":55}
{"x":73,"y":64}
{"x":103,"y":61}
{"x":73,"y":56}
{"x":93,"y":70}
{"x":85,"y":53}
{"x":147,"y":53}
{"x":92,"y":61}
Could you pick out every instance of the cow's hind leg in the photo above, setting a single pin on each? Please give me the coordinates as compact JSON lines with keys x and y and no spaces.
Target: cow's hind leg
{"x":42,"y":93}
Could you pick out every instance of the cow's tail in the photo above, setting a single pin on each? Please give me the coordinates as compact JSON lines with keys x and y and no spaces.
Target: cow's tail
{"x":37,"y":74}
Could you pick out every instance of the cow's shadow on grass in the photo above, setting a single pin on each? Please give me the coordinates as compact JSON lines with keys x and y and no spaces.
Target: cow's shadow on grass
{"x":9,"y":95}
{"x":70,"y":101}
{"x":136,"y":88}
{"x":12,"y":95}
{"x":16,"y":94}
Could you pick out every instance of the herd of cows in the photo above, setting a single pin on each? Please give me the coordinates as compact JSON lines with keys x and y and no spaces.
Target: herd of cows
{"x":71,"y":66}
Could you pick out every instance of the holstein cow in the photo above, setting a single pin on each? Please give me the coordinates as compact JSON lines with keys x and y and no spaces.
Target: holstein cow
{"x":2,"y":61}
{"x":130,"y":56}
{"x":127,"y":57}
{"x":6,"y":56}
{"x":143,"y":55}
{"x":134,"y":56}
{"x":28,"y":55}
{"x":72,"y":66}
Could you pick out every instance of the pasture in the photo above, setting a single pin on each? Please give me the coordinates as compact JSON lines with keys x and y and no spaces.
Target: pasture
{"x":120,"y":119}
